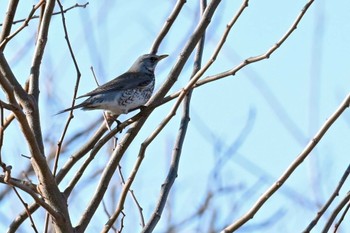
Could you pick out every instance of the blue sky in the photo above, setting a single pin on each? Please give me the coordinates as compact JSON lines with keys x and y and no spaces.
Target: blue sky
{"x":279,"y":103}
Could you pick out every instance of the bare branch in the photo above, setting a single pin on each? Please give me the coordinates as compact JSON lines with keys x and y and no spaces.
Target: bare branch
{"x":4,"y":40}
{"x":329,"y":202}
{"x":336,"y":211}
{"x":167,"y":26}
{"x":21,"y":217}
{"x":133,"y":196}
{"x":28,"y":212}
{"x":336,"y":227}
{"x":30,"y":189}
{"x":77,"y":156}
{"x":10,"y":14}
{"x":55,"y":13}
{"x":124,"y":192}
{"x":312,"y":144}
{"x":66,"y":36}
{"x":260,"y":57}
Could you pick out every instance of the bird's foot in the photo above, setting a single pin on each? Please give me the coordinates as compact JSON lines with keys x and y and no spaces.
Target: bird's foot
{"x":142,"y":107}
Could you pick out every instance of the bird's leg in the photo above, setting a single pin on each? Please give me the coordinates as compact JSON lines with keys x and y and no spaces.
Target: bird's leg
{"x":105,"y":117}
{"x":109,"y":118}
{"x":118,"y":123}
{"x":115,"y":138}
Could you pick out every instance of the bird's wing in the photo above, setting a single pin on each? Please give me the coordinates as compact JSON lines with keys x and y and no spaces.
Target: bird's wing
{"x":125,"y":81}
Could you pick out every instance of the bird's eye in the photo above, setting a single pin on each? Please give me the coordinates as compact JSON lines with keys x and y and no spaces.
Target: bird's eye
{"x":153,"y":59}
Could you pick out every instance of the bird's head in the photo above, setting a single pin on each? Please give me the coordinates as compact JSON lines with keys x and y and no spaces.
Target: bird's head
{"x":146,"y":63}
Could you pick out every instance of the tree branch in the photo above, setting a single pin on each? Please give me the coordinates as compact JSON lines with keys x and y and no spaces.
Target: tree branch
{"x":167,"y":26}
{"x":7,"y":37}
{"x":278,"y":184}
{"x":10,"y":14}
{"x":340,"y":206}
{"x":329,"y":202}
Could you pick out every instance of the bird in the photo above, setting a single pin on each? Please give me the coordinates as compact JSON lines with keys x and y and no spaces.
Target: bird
{"x":125,"y":93}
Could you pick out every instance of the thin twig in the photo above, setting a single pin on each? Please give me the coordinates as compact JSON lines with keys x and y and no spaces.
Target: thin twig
{"x":336,"y":227}
{"x":336,"y":211}
{"x":167,"y":26}
{"x":123,"y":194}
{"x":260,"y":57}
{"x":329,"y":202}
{"x":55,"y":13}
{"x":287,"y":173}
{"x":71,"y":52}
{"x":94,"y":75}
{"x":140,"y":209}
{"x":26,"y":208}
{"x":105,"y":209}
{"x":121,"y":223}
{"x":76,"y":157}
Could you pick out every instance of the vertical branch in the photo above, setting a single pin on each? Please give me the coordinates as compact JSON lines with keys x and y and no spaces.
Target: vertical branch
{"x":1,"y":132}
{"x":33,"y":114}
{"x":59,"y":144}
{"x":172,"y":174}
{"x":75,"y":89}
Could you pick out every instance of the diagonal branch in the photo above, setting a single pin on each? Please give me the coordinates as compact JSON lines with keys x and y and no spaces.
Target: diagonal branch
{"x":339,"y":207}
{"x":329,"y":202}
{"x":167,"y":26}
{"x":278,"y":184}
{"x":10,"y":15}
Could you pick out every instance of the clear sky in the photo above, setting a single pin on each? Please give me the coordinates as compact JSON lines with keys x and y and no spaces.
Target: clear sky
{"x":255,"y":122}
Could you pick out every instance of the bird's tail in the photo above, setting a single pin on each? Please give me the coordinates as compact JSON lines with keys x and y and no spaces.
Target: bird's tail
{"x":71,"y":108}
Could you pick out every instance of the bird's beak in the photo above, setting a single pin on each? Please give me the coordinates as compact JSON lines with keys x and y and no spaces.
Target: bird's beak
{"x":160,"y":57}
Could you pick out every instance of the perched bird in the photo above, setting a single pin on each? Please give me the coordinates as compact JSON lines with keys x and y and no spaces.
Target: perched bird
{"x":126,"y":92}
